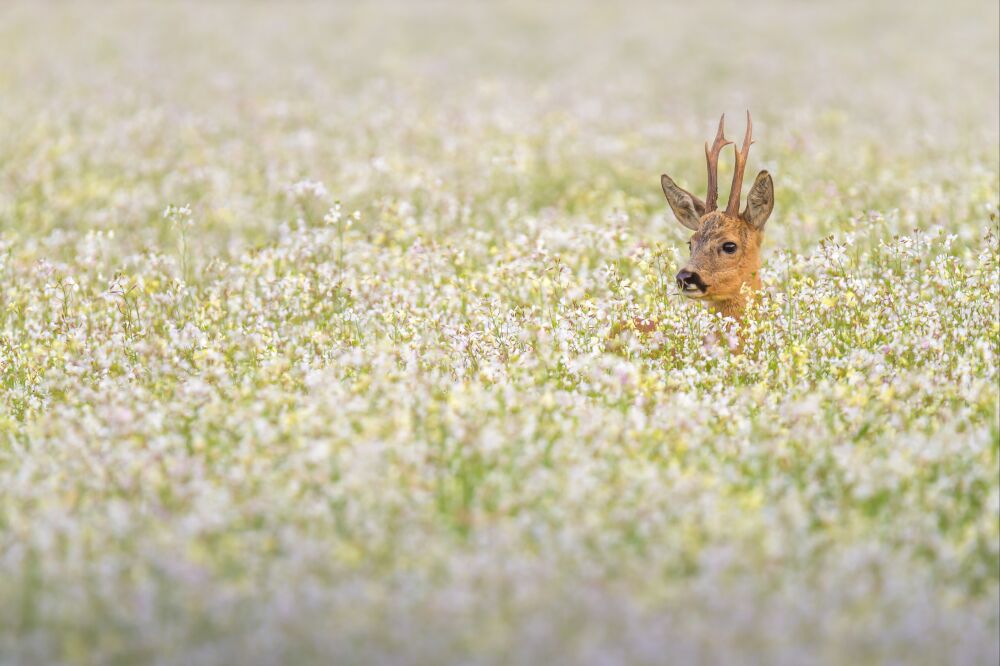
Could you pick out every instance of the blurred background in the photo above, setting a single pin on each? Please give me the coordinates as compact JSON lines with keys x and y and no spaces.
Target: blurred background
{"x":858,"y":106}
{"x":245,"y":431}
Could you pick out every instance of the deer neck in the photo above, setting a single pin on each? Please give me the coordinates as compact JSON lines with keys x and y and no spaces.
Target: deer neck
{"x":734,"y":307}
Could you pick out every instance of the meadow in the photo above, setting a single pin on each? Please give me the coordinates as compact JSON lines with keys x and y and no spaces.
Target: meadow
{"x":310,"y":347}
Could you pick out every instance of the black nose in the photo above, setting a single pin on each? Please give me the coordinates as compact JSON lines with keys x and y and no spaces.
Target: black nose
{"x":688,"y":279}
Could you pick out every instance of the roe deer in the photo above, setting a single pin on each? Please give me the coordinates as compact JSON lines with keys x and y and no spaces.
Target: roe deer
{"x":725,"y":248}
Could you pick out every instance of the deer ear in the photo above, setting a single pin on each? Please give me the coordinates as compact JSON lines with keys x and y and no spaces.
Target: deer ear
{"x":687,"y":208}
{"x":760,"y":202}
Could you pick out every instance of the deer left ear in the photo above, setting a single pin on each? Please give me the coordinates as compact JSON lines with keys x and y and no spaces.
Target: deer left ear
{"x":760,"y":202}
{"x":687,"y":208}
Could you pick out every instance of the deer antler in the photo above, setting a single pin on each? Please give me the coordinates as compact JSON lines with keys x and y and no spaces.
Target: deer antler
{"x":712,"y":157}
{"x":733,"y":208}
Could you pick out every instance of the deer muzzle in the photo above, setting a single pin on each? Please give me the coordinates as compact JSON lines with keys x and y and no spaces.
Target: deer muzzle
{"x":691,"y":284}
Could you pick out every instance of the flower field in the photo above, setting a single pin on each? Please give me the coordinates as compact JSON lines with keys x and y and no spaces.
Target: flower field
{"x":316,"y":341}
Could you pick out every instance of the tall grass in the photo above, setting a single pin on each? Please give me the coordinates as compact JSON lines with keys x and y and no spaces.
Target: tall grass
{"x":311,"y":343}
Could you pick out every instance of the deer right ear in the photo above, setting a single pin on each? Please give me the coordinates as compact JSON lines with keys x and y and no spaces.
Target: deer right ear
{"x":687,"y":208}
{"x":760,"y":203}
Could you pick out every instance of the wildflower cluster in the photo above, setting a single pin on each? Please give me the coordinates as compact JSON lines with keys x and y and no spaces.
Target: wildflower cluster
{"x":406,"y":377}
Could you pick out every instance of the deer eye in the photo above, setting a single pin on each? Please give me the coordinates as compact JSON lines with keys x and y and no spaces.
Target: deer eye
{"x":729,"y":248}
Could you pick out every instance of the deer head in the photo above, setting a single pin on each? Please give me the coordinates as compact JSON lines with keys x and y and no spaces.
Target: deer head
{"x":725,"y":247}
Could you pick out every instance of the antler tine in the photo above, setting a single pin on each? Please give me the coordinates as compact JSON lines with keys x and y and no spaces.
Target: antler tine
{"x":712,"y":158}
{"x":733,"y":208}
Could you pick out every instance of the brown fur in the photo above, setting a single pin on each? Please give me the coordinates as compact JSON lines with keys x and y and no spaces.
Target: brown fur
{"x":725,"y":274}
{"x":722,"y":275}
